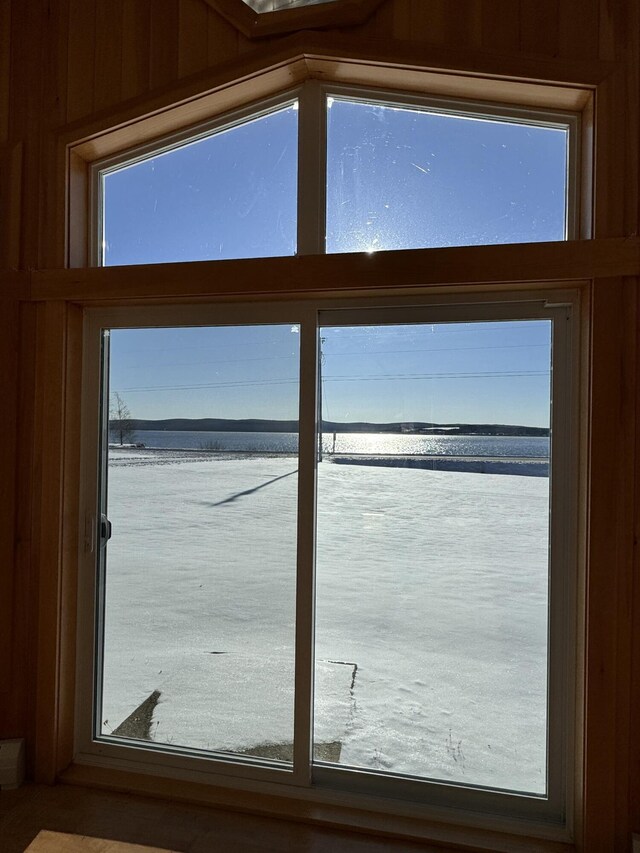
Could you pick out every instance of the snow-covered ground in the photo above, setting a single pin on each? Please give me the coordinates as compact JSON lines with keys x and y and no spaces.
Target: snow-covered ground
{"x":433,"y":584}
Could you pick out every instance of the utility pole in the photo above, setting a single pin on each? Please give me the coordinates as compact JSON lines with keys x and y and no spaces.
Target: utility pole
{"x":320,"y":363}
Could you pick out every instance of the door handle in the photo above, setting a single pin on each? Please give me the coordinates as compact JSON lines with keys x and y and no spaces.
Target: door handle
{"x":105,"y":530}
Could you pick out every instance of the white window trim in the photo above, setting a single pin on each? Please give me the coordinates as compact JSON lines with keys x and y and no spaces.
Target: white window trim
{"x":550,"y":818}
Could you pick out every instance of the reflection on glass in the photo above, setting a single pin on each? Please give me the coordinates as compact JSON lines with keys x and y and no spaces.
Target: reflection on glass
{"x":409,"y":178}
{"x":276,"y":5}
{"x":231,"y":194}
{"x":432,"y":552}
{"x":199,"y":575}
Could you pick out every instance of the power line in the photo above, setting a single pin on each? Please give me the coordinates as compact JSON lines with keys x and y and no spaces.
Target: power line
{"x":379,"y":378}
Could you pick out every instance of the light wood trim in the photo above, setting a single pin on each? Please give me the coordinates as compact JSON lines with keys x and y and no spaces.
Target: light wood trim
{"x":9,"y":313}
{"x":127,"y":129}
{"x":269,"y":70}
{"x":473,"y":85}
{"x":562,"y":261}
{"x":381,"y":823}
{"x":341,"y":13}
{"x":47,"y":534}
{"x":77,"y":238}
{"x":481,"y":79}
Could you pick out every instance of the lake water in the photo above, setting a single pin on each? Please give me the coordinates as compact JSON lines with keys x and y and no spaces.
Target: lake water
{"x":386,"y":444}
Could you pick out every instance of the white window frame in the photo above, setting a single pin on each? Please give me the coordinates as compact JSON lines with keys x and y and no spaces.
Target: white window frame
{"x":543,"y":817}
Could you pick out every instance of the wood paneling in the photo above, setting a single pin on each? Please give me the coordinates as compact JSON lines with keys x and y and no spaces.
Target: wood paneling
{"x":613,"y":470}
{"x":164,"y":44}
{"x":136,"y":35}
{"x":539,"y":26}
{"x":193,"y":47}
{"x":5,"y":67}
{"x":81,"y":55}
{"x":500,"y":26}
{"x":9,"y":310}
{"x":78,"y":67}
{"x":107,"y":72}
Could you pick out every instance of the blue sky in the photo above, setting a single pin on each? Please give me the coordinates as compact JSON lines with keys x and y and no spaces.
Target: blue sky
{"x":396,"y":178}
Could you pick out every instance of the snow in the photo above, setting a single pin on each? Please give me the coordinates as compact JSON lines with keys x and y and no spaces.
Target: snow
{"x":431,"y":612}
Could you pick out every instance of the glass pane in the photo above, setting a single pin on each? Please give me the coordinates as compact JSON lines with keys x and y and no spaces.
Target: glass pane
{"x":199,"y":575}
{"x":275,"y":5}
{"x":229,"y":195}
{"x":433,"y":550}
{"x":409,"y":178}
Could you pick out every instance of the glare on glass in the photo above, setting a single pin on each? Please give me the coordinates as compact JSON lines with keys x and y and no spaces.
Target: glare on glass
{"x":276,"y":5}
{"x":432,"y":569}
{"x":199,"y":575}
{"x":231,"y":194}
{"x":400,"y":178}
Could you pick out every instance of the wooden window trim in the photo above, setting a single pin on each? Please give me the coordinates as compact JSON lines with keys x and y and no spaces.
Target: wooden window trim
{"x":274,"y":72}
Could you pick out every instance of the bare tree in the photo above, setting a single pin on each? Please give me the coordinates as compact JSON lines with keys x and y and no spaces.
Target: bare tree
{"x":120,"y":419}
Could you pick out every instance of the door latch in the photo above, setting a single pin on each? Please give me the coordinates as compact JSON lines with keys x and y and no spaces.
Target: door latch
{"x":105,"y":530}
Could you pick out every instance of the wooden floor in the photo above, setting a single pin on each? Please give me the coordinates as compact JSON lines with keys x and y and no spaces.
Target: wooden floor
{"x":65,"y":842}
{"x":177,"y":827}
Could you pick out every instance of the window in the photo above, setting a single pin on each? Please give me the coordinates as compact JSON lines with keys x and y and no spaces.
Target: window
{"x":335,"y":539}
{"x":377,"y":172}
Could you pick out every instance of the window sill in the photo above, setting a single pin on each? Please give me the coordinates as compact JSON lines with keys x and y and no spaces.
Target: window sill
{"x":316,"y":811}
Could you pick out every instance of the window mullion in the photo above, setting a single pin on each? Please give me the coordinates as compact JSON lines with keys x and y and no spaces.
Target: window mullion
{"x":312,"y":168}
{"x":304,"y":662}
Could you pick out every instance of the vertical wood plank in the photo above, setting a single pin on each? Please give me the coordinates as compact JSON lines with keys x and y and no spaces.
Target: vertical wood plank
{"x":107,"y":78}
{"x":632,"y":120}
{"x":27,"y":70}
{"x":136,"y":39}
{"x":52,"y":114}
{"x":578,"y":31}
{"x":610,"y":562}
{"x":611,"y":153}
{"x":10,"y":205}
{"x":16,"y":710}
{"x":9,"y":391}
{"x":401,"y":27}
{"x":607,"y":47}
{"x":193,"y":37}
{"x":222,"y":39}
{"x":428,"y":21}
{"x":57,"y":62}
{"x":500,"y":25}
{"x":380,"y":24}
{"x":80,"y":68}
{"x":163,"y":68}
{"x":464,"y":24}
{"x":5,"y":68}
{"x":539,"y":26}
{"x":634,"y":746}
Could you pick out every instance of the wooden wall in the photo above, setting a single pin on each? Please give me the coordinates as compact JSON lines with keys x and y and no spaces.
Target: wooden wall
{"x":67,"y":63}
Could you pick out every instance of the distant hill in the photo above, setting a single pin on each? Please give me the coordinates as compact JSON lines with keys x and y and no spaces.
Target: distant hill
{"x":259,"y":425}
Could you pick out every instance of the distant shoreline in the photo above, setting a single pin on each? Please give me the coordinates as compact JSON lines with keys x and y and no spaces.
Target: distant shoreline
{"x":396,"y":428}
